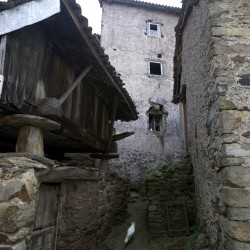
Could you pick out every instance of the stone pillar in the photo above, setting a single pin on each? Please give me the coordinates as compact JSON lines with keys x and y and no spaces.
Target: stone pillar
{"x":30,"y":138}
{"x":18,"y":198}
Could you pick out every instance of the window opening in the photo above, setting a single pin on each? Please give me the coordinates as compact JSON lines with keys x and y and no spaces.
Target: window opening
{"x":153,"y":29}
{"x":155,"y":122}
{"x":156,"y":115}
{"x":155,"y":68}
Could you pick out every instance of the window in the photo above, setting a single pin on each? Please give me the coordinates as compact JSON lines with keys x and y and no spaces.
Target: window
{"x":155,"y":122}
{"x":154,"y":29}
{"x":155,"y":68}
{"x":156,"y":118}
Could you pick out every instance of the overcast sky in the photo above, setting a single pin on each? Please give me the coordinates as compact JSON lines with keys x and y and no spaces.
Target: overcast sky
{"x":91,"y":9}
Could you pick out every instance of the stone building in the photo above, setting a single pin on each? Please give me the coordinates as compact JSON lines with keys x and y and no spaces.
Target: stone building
{"x":212,"y":84}
{"x":59,"y":98}
{"x":139,"y":39}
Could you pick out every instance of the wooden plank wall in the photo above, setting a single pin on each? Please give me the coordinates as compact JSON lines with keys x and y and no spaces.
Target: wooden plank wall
{"x":34,"y":69}
{"x":43,"y":237}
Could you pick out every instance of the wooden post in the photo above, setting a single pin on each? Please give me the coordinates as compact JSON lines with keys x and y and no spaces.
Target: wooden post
{"x":30,"y":140}
{"x":104,"y":165}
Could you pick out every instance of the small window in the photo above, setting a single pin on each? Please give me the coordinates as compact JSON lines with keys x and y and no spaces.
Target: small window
{"x":155,"y":122}
{"x":156,"y":118}
{"x":154,"y":29}
{"x":155,"y":68}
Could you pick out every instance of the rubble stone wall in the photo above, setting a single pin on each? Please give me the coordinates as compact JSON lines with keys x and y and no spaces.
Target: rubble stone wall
{"x":215,"y":68}
{"x":85,"y":209}
{"x":89,"y":208}
{"x":18,"y":200}
{"x":172,"y":183}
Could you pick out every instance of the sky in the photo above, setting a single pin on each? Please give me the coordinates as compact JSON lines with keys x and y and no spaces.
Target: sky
{"x":92,"y":10}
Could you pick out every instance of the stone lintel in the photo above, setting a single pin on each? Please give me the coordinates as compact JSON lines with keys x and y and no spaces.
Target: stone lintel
{"x":60,"y":174}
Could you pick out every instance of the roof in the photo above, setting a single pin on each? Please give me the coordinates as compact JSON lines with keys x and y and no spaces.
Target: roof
{"x":93,"y":41}
{"x":151,"y":6}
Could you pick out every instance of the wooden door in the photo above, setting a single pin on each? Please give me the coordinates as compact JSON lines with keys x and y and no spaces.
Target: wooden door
{"x":44,"y":234}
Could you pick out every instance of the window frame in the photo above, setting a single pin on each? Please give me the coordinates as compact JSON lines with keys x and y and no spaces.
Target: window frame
{"x":152,"y":122}
{"x":156,"y":62}
{"x":153,"y":33}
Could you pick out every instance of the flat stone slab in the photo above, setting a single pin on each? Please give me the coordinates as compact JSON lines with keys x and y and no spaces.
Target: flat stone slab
{"x":60,"y":174}
{"x":40,"y":159}
{"x":20,"y":120}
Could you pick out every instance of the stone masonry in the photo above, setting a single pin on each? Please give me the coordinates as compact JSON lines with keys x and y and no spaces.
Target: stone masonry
{"x":18,"y":199}
{"x":171,"y":184}
{"x":82,"y":210}
{"x":125,"y":40}
{"x":213,"y":59}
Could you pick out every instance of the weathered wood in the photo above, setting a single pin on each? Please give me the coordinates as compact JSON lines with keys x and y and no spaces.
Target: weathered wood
{"x":19,"y":120}
{"x":104,"y":156}
{"x":67,"y":173}
{"x":76,"y":82}
{"x":104,"y":165}
{"x":30,"y":140}
{"x":43,"y":236}
{"x":121,"y":136}
{"x":2,"y":61}
{"x":49,"y":107}
{"x":98,"y":57}
{"x":111,"y":125}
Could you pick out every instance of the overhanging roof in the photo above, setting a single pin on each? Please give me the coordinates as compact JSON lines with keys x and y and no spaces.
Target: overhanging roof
{"x":126,"y":109}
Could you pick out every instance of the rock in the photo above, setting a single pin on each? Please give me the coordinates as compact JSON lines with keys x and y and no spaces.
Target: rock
{"x":8,"y":214}
{"x":232,"y":244}
{"x":237,"y":150}
{"x":222,"y":31}
{"x":229,"y":121}
{"x":236,"y":197}
{"x":236,"y":176}
{"x":238,"y":213}
{"x":237,"y":230}
{"x":229,"y":161}
{"x":235,"y":48}
{"x":18,"y":246}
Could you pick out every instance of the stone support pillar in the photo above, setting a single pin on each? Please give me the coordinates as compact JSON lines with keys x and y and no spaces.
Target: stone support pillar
{"x":18,"y":198}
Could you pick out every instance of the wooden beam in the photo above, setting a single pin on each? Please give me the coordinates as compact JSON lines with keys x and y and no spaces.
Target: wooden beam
{"x":76,"y":82}
{"x":97,"y":56}
{"x":104,"y":156}
{"x":121,"y":136}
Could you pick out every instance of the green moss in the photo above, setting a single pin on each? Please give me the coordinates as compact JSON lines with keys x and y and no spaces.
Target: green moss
{"x":191,"y":242}
{"x":161,"y":172}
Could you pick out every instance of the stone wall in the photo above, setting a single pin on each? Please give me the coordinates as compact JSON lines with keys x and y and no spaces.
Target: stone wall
{"x":215,"y":63}
{"x":125,"y":40}
{"x":41,"y":207}
{"x":18,"y":199}
{"x":88,"y":209}
{"x":171,"y":185}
